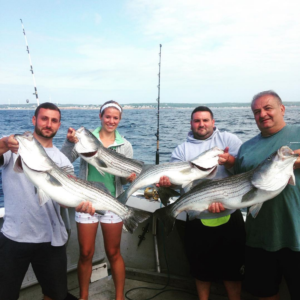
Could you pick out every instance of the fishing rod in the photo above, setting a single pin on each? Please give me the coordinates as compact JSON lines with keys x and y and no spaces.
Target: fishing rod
{"x":31,"y":69}
{"x":158,"y":104}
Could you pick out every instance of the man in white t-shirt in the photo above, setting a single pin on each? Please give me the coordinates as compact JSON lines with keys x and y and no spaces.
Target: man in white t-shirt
{"x":32,"y":233}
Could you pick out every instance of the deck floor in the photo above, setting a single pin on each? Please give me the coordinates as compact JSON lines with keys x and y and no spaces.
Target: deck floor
{"x":103,"y":289}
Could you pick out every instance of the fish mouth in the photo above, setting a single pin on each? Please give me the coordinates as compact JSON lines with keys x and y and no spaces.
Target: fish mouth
{"x":89,"y":154}
{"x":79,"y":130}
{"x":205,"y":169}
{"x":26,"y":135}
{"x":285,"y":152}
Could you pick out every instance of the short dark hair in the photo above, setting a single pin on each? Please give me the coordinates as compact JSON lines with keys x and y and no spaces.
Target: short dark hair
{"x":202,"y":108}
{"x":47,"y":105}
{"x":266,"y":93}
{"x":108,"y":102}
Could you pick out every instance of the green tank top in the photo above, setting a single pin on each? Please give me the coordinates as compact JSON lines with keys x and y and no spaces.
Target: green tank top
{"x":215,"y":222}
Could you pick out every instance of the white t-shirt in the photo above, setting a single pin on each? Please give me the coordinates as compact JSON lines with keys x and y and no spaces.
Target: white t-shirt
{"x":25,"y":220}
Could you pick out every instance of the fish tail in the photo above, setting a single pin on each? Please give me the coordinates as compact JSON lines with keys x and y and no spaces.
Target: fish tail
{"x":165,"y":194}
{"x":165,"y":215}
{"x":123,"y":197}
{"x":134,"y":217}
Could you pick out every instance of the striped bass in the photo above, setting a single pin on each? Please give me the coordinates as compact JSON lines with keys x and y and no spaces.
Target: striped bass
{"x":103,"y":159}
{"x":61,"y":186}
{"x":180,"y":173}
{"x":251,"y":188}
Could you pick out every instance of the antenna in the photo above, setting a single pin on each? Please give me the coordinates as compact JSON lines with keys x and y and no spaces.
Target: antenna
{"x":31,"y":69}
{"x":158,"y":103}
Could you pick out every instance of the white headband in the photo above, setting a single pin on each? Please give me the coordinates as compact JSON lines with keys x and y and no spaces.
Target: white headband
{"x":110,"y":105}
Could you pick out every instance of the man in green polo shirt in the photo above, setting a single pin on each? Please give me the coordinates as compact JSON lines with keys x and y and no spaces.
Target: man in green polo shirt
{"x":273,"y":237}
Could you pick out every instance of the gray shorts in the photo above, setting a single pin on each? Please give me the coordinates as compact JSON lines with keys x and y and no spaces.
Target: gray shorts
{"x":49,"y":265}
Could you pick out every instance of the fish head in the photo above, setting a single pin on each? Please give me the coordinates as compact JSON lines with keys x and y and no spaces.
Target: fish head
{"x":32,"y":153}
{"x":208,"y":159}
{"x":276,"y":171}
{"x":207,"y":162}
{"x":87,"y":143}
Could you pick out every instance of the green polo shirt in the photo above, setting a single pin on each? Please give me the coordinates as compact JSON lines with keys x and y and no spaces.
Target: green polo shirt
{"x":107,"y":179}
{"x":277,"y":224}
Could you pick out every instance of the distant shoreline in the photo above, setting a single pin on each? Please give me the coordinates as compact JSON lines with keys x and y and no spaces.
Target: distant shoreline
{"x":124,"y":108}
{"x":129,"y":107}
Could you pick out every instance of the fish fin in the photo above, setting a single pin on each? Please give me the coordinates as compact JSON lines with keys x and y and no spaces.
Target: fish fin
{"x":165,"y":216}
{"x":101,"y":163}
{"x":292,"y":180}
{"x":165,"y":194}
{"x":133,"y":218}
{"x":254,"y":209}
{"x":18,"y":165}
{"x":100,"y":186}
{"x":52,"y":180}
{"x":68,"y":170}
{"x":43,"y":197}
{"x":193,"y":214}
{"x":122,"y":198}
{"x":250,"y":195}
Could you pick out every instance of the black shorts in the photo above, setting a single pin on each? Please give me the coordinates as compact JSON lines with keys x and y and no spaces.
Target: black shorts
{"x":49,"y":265}
{"x":264,"y":271}
{"x":216,"y":253}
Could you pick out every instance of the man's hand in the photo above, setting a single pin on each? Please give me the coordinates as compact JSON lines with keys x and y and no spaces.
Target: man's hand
{"x":131,"y":177}
{"x":297,"y":162}
{"x":71,"y":135}
{"x":216,"y":207}
{"x":86,"y":207}
{"x":226,"y":159}
{"x":9,"y":143}
{"x":164,"y":181}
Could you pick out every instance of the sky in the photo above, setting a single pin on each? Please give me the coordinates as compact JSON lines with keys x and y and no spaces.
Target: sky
{"x":88,"y":52}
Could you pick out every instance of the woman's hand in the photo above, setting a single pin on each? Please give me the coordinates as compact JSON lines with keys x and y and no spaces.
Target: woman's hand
{"x":131,"y":177}
{"x":85,"y":207}
{"x":71,"y":135}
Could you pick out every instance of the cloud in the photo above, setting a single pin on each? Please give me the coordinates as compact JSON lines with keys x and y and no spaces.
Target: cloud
{"x":215,"y":49}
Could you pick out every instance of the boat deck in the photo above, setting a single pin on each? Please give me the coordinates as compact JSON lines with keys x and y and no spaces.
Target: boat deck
{"x":104,"y":290}
{"x":179,"y":288}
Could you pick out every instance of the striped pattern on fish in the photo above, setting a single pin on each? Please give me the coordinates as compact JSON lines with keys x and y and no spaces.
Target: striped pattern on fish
{"x":180,"y":173}
{"x":251,"y":188}
{"x":104,"y":159}
{"x":59,"y":185}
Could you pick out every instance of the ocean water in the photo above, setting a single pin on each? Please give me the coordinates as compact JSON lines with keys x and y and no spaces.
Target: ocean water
{"x":139,"y":126}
